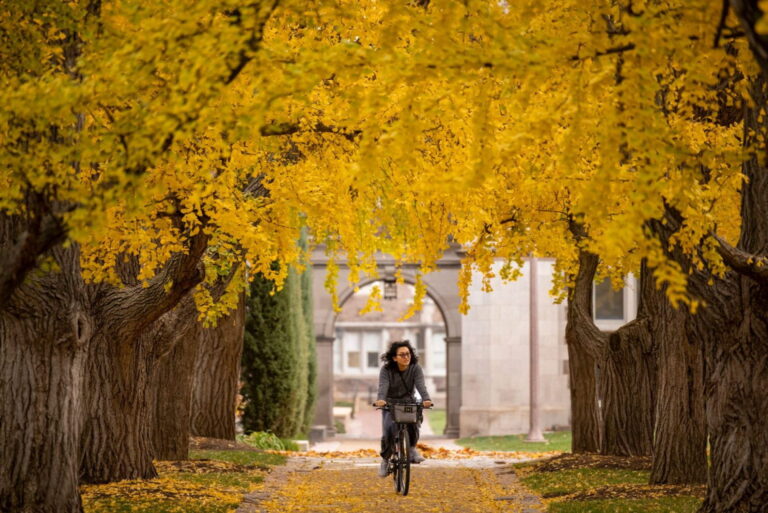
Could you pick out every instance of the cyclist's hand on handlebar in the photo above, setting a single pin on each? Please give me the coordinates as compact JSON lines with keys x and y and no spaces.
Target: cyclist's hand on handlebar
{"x":380,"y":403}
{"x":427,"y":404}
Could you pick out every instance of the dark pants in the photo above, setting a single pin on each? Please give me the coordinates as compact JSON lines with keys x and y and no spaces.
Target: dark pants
{"x":389,"y":430}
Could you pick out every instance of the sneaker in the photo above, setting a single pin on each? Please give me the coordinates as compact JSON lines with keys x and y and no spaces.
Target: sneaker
{"x":415,"y":455}
{"x":383,"y":468}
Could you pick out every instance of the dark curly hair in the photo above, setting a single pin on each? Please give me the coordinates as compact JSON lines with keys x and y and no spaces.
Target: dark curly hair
{"x":389,"y":357}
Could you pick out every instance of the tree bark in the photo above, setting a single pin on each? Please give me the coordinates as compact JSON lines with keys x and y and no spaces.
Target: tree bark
{"x":45,"y":329}
{"x":584,"y":342}
{"x":734,"y":329}
{"x":680,"y":443}
{"x":217,"y":373}
{"x":173,"y":377}
{"x":116,"y":441}
{"x":628,"y":389}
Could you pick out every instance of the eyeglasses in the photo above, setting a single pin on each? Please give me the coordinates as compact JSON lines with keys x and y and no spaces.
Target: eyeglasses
{"x":404,"y":355}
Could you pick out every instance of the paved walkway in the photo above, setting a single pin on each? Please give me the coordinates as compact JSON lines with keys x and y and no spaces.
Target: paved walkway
{"x":350,"y":485}
{"x":339,"y":475}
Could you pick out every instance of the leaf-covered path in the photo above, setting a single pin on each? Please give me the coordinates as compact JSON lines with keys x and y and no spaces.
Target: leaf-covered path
{"x":315,"y":485}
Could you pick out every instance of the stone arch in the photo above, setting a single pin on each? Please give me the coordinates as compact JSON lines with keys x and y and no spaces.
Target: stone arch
{"x":441,"y":286}
{"x":451,"y":318}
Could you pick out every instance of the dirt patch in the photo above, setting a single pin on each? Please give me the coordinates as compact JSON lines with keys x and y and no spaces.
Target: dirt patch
{"x":577,"y":461}
{"x":198,"y":443}
{"x":638,"y":492}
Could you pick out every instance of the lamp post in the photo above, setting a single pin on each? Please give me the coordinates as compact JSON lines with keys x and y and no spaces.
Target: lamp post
{"x":534,"y":432}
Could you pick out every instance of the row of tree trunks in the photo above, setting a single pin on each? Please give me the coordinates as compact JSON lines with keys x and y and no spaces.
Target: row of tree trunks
{"x":649,"y":377}
{"x":216,"y":376}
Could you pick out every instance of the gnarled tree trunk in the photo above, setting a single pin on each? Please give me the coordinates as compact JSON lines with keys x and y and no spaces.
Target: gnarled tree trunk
{"x":44,"y":332}
{"x":584,"y":345}
{"x":734,"y":328}
{"x":217,"y":372}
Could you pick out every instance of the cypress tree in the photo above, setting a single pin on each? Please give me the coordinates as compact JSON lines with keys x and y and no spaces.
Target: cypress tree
{"x":269,"y":361}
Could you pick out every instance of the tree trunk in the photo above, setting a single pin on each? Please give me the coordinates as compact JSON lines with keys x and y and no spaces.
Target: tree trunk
{"x":44,"y":332}
{"x":680,"y":443}
{"x":735,"y":333}
{"x":734,"y":329}
{"x":116,"y":441}
{"x":628,"y":386}
{"x":584,"y":342}
{"x":172,"y":381}
{"x":217,"y":373}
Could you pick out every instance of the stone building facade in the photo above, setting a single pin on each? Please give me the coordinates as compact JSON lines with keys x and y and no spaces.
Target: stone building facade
{"x":478,"y":364}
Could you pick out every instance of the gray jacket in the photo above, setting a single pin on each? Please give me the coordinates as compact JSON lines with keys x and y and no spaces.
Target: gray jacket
{"x":393,"y":389}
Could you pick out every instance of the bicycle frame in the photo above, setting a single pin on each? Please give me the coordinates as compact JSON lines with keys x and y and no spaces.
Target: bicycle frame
{"x":400,"y":459}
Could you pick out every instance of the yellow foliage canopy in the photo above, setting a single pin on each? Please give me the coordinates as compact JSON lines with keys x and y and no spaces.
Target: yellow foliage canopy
{"x":382,"y":126}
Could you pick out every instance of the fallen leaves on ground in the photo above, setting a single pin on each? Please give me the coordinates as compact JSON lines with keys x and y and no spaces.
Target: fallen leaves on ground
{"x":359,"y":490}
{"x":637,"y":492}
{"x":182,"y":486}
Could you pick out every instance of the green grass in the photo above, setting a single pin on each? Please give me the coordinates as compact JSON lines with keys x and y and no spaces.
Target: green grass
{"x":557,"y":441}
{"x":343,"y":403}
{"x":563,"y":482}
{"x":656,"y":505}
{"x":260,"y":459}
{"x":436,"y":419}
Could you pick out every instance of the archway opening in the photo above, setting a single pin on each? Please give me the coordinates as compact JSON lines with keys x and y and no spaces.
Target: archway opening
{"x":359,"y":343}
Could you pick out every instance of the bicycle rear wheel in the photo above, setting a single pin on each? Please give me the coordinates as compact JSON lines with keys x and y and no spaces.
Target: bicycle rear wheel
{"x":404,"y":447}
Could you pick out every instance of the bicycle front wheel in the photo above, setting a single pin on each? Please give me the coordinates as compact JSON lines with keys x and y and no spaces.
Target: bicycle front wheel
{"x":404,"y":447}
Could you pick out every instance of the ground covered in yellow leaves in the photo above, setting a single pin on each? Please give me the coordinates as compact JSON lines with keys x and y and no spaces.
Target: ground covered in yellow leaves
{"x":355,"y":488}
{"x":591,"y":483}
{"x":207,"y":484}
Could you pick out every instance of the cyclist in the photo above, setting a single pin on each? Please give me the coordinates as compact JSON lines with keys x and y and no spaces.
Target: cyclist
{"x":399,"y":376}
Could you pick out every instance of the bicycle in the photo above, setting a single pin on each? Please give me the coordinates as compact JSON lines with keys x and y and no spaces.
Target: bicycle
{"x":400,"y":460}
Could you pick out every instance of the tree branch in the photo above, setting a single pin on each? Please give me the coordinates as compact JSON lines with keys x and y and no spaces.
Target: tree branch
{"x":41,"y":231}
{"x":747,"y":264}
{"x":274,"y":129}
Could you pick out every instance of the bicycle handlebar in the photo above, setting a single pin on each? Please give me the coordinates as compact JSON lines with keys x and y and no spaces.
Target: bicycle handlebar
{"x":420,"y":405}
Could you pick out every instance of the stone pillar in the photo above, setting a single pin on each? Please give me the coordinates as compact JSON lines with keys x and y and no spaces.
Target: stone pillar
{"x":534,"y":430}
{"x":453,"y":379}
{"x":324,"y":403}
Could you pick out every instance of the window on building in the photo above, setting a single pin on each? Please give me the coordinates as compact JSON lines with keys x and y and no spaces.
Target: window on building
{"x":373,"y":360}
{"x":609,"y":303}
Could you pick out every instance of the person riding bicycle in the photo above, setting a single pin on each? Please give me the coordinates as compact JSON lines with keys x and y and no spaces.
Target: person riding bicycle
{"x":398,"y":377}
